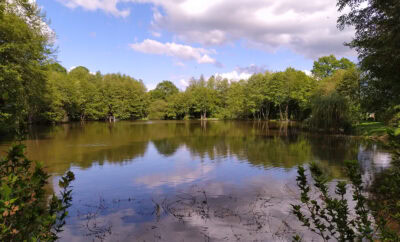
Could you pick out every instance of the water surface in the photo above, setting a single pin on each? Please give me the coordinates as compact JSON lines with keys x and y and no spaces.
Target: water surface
{"x":188,"y":180}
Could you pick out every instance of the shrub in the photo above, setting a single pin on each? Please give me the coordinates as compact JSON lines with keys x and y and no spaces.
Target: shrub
{"x":26,"y":212}
{"x":330,"y":216}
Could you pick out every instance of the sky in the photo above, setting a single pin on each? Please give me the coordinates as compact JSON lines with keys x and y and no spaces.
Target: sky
{"x":156,"y":40}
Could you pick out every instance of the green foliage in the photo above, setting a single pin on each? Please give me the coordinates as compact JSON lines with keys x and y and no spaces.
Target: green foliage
{"x":166,"y":102}
{"x":327,"y":65}
{"x":202,"y":97}
{"x":123,"y":97}
{"x":79,"y":95}
{"x":336,"y":101}
{"x":26,"y":214}
{"x":392,"y":116}
{"x":56,"y":67}
{"x":330,"y":112}
{"x":158,"y":110}
{"x":24,"y":50}
{"x":371,"y":129}
{"x":377,"y":41}
{"x":330,"y":216}
{"x":163,"y":90}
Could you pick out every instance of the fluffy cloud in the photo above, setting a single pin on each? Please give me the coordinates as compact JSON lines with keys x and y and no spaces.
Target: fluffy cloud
{"x":183,"y":52}
{"x":306,"y":27}
{"x":234,"y":75}
{"x":242,"y":73}
{"x":108,"y":6}
{"x":308,"y":72}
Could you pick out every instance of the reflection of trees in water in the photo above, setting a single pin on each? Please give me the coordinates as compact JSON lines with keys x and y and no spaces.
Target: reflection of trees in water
{"x":167,"y":147}
{"x":259,"y":143}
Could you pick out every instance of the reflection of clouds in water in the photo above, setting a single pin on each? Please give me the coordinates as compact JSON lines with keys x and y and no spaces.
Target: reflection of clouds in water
{"x":181,"y":174}
{"x":382,"y":159}
{"x":110,"y":227}
{"x":216,"y":211}
{"x":373,"y":157}
{"x":372,"y":160}
{"x":247,"y":174}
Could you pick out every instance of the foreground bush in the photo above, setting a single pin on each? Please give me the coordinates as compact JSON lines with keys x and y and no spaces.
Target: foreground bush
{"x":26,"y":212}
{"x":330,"y":216}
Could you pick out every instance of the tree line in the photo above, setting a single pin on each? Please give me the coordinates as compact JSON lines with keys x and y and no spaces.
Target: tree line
{"x":79,"y":95}
{"x":34,"y":88}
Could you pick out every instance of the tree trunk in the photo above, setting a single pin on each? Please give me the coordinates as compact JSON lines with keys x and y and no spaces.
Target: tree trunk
{"x":287,"y":112}
{"x":280,"y":113}
{"x":267,"y":111}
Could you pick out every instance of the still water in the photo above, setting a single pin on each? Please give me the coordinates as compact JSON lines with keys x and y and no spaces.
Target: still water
{"x":189,"y":180}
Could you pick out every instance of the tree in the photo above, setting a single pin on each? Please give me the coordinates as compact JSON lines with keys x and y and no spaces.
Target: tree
{"x":258,"y":100}
{"x":158,"y":110}
{"x":202,"y":97}
{"x":164,"y":90}
{"x":327,"y":65}
{"x":236,"y":100}
{"x":221,"y":88}
{"x":24,"y":51}
{"x":377,"y":41}
{"x":124,"y":97}
{"x":56,"y":67}
{"x":177,"y":106}
{"x":290,"y":92}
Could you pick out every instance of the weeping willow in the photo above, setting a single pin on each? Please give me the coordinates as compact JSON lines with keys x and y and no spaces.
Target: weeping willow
{"x":330,"y":112}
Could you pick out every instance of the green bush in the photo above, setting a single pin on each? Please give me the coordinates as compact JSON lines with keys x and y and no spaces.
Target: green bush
{"x":329,"y":216}
{"x":26,"y":213}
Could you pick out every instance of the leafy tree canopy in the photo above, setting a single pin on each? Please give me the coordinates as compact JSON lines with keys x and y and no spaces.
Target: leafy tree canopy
{"x":163,"y":90}
{"x":377,"y":41}
{"x":24,"y":50}
{"x":327,"y":65}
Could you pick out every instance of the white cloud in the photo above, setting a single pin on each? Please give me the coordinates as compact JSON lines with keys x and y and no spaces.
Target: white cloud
{"x":71,"y":68}
{"x":180,"y":175}
{"x":234,"y":75}
{"x":183,"y":83}
{"x":151,"y":86}
{"x":308,"y":72}
{"x":180,"y":64}
{"x":183,"y":52}
{"x":108,"y":6}
{"x":155,"y":34}
{"x":242,"y":73}
{"x":306,"y":27}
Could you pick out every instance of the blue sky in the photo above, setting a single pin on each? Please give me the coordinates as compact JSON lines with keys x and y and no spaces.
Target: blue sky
{"x":157,"y":40}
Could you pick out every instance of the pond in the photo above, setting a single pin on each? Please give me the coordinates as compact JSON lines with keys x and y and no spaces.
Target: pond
{"x":189,"y":180}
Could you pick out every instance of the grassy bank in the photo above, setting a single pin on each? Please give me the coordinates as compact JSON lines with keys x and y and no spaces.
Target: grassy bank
{"x":375,"y":130}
